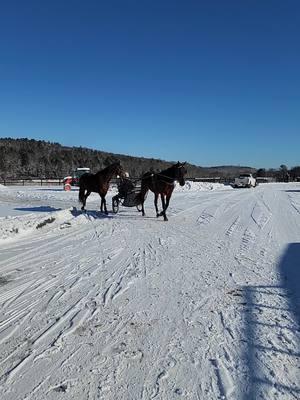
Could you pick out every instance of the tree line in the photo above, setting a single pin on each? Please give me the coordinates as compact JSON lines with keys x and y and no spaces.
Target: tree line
{"x":282,"y":174}
{"x":28,"y":158}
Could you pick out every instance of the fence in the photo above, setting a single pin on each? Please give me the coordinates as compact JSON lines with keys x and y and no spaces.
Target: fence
{"x":31,"y":182}
{"x":59,"y":181}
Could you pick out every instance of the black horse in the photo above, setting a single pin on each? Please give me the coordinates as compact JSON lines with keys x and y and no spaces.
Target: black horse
{"x":162,"y":183}
{"x":98,"y":183}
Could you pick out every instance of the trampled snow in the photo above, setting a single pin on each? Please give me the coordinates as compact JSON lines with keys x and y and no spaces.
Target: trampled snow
{"x":204,"y":306}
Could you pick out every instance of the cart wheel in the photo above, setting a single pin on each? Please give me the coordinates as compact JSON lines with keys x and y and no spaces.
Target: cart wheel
{"x":115,"y":205}
{"x":67,"y":187}
{"x":139,"y":208}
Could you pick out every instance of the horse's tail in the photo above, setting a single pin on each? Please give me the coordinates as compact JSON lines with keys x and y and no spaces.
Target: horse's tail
{"x":141,"y":196}
{"x":81,"y":195}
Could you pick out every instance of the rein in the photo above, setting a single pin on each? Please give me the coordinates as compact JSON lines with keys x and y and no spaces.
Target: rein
{"x":164,"y":176}
{"x":107,"y":174}
{"x":165,"y":181}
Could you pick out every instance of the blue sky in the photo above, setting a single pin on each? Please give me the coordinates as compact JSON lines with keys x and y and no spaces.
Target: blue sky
{"x":212,"y":82}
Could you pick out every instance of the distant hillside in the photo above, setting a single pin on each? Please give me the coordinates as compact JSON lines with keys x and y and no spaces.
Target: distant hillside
{"x":28,"y":158}
{"x":230,"y":170}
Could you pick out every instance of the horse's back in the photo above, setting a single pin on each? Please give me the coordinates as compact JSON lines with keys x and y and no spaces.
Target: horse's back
{"x":85,"y":178}
{"x":146,"y":179}
{"x":87,"y":181}
{"x":157,"y":183}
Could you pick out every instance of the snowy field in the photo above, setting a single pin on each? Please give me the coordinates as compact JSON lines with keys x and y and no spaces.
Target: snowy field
{"x":125,"y":307}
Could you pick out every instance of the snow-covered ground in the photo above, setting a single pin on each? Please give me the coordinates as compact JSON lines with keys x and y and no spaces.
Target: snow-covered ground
{"x":125,"y":307}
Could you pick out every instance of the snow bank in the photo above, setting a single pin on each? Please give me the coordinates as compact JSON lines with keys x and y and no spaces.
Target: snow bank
{"x":13,"y":227}
{"x":201,"y":186}
{"x":38,"y":193}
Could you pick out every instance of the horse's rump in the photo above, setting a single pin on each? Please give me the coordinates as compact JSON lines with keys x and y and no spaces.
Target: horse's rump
{"x":88,"y":182}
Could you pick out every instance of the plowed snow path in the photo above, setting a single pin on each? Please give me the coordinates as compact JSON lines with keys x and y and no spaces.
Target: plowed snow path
{"x":204,"y":306}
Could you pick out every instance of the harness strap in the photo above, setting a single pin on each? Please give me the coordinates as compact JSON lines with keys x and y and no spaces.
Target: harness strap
{"x":165,"y":176}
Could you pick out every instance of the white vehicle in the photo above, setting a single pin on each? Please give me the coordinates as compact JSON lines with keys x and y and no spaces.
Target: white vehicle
{"x":245,"y":180}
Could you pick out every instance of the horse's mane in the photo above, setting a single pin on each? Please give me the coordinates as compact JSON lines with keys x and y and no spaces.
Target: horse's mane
{"x":108,"y":168}
{"x":166,"y":171}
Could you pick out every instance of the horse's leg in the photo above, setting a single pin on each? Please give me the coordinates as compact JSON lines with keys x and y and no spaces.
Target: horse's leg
{"x":142,"y":196}
{"x":143,"y":210}
{"x":155,"y":203}
{"x":84,"y":199}
{"x":106,"y":212}
{"x":167,"y":201}
{"x":103,"y":204}
{"x":163,"y":213}
{"x":81,"y":197}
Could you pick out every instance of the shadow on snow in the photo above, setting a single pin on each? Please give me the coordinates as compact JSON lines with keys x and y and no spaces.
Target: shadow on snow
{"x":38,"y":209}
{"x":271,"y":326}
{"x":90,"y":213}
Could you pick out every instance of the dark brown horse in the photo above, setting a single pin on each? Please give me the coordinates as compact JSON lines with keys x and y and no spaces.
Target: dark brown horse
{"x":98,"y":183}
{"x":162,"y":183}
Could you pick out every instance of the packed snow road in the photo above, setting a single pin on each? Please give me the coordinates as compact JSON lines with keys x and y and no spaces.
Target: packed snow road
{"x":205,"y":306}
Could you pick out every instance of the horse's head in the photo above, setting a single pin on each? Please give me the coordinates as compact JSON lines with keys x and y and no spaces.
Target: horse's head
{"x":117,"y":169}
{"x":180,"y":172}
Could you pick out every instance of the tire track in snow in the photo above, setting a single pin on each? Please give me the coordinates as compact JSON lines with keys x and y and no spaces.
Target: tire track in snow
{"x":234,"y":227}
{"x":187,"y":266}
{"x":249,"y":240}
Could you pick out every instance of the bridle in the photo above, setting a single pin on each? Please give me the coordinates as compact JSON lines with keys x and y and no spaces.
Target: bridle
{"x":168,"y":177}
